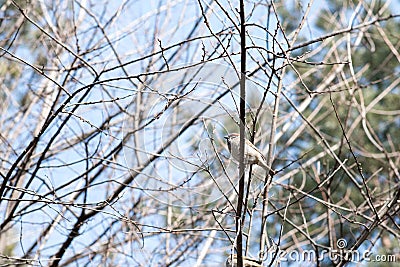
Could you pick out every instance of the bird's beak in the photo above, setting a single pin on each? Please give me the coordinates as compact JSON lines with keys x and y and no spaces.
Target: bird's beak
{"x":226,"y":137}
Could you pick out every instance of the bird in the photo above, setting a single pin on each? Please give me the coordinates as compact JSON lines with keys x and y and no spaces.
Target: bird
{"x":251,"y":153}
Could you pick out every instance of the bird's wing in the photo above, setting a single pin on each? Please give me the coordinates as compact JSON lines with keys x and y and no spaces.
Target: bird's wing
{"x":253,"y":146}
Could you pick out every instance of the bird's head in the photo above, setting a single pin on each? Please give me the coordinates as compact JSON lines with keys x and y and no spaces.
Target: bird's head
{"x":229,"y":139}
{"x":231,"y":136}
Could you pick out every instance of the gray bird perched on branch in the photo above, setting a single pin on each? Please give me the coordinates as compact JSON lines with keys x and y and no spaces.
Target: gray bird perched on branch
{"x":251,"y":153}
